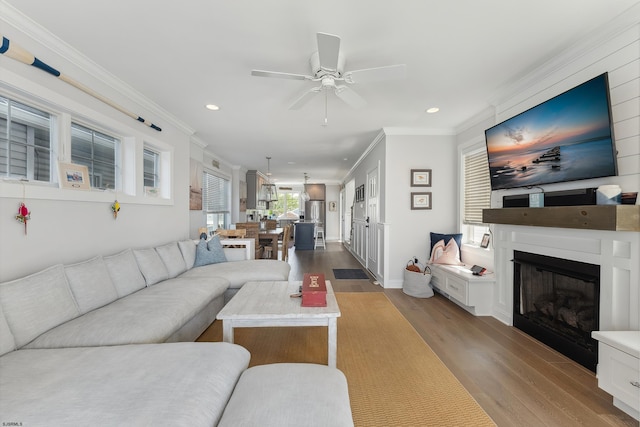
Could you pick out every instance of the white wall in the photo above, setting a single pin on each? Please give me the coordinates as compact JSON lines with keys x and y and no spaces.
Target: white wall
{"x":409,"y":230}
{"x":71,"y":225}
{"x":332,"y":219}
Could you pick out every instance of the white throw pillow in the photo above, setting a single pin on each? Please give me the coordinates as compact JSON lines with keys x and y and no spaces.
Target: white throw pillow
{"x":446,"y":254}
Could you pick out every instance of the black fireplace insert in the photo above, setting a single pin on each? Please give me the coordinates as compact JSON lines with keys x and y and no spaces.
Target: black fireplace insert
{"x":557,"y":302}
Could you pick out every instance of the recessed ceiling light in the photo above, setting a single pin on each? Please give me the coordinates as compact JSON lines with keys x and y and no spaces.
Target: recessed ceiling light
{"x":212,"y":107}
{"x":291,"y":163}
{"x":433,"y":110}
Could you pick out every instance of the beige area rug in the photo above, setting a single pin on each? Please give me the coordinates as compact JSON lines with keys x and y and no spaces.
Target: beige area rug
{"x":394,"y":377}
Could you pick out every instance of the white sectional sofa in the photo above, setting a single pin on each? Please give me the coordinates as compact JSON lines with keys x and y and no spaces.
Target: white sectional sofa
{"x":108,"y":341}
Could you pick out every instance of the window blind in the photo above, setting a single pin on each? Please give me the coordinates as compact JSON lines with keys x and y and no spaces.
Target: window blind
{"x":216,"y":194}
{"x":477,"y":187}
{"x":151,"y":166}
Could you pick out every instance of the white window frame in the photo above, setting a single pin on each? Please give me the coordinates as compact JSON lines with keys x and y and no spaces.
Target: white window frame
{"x":30,"y":148}
{"x":117,"y":167}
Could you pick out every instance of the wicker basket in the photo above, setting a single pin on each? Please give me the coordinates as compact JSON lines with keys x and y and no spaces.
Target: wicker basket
{"x":417,"y":284}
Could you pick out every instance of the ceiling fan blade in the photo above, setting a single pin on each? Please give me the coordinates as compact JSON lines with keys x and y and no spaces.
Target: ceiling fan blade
{"x":390,"y":72}
{"x":306,"y":97}
{"x":278,"y":75}
{"x":350,"y":97}
{"x":328,"y":51}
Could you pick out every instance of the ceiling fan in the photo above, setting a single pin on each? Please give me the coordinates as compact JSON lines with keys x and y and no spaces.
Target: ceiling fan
{"x":327,"y":67}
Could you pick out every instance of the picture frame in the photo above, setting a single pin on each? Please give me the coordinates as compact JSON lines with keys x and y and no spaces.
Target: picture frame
{"x":485,"y":240}
{"x":333,"y":206}
{"x":74,"y":176}
{"x":421,"y":177}
{"x":420,"y":200}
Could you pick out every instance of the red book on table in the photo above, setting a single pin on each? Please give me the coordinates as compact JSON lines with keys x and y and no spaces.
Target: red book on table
{"x":314,"y":290}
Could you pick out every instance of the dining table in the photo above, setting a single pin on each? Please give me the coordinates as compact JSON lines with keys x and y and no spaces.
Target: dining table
{"x":273,"y":236}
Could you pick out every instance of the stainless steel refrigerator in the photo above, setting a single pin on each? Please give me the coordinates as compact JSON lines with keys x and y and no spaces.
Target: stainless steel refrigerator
{"x":314,"y":211}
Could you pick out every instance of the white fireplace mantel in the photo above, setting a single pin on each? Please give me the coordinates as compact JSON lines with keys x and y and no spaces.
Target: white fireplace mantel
{"x":616,"y":252}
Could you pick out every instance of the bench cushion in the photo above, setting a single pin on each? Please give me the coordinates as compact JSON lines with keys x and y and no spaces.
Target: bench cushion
{"x":289,"y":394}
{"x":182,"y":384}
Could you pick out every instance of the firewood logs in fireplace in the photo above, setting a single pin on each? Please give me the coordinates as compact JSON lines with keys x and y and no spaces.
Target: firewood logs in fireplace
{"x":568,"y":306}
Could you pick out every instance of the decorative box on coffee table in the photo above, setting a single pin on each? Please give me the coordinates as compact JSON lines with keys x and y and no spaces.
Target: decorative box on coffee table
{"x":314,"y":290}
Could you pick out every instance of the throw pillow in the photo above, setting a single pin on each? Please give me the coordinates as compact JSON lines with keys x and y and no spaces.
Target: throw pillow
{"x":210,"y":252}
{"x":436,"y":237}
{"x":445,"y":254}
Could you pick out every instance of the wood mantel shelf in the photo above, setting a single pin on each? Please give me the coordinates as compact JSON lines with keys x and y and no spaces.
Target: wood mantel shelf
{"x":591,"y":217}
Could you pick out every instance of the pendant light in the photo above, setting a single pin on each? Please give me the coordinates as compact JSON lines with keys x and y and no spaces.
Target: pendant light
{"x":268,"y":190}
{"x":305,"y":195}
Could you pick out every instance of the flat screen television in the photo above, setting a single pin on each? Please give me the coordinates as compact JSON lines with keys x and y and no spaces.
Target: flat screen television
{"x":567,"y":138}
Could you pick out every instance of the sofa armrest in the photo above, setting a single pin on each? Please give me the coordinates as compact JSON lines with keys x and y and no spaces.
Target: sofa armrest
{"x":239,"y":249}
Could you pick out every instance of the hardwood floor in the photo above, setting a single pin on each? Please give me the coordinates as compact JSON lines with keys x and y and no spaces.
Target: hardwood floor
{"x":516,"y":379}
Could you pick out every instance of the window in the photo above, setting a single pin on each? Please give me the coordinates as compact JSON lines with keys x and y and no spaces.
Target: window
{"x":287,"y":206}
{"x":151,"y":167}
{"x":25,"y":141}
{"x":477,"y":194}
{"x":98,"y":152}
{"x":216,"y":200}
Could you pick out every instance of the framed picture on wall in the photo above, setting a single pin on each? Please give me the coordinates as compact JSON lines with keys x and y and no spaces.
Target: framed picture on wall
{"x":420,"y":201}
{"x":421,"y":177}
{"x":74,"y":176}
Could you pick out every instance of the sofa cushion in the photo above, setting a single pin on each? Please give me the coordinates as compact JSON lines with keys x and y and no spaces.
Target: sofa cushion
{"x":90,"y":284}
{"x":181,"y":384}
{"x":188,"y":249}
{"x":172,"y":258}
{"x":125,"y":273}
{"x":240,"y":272}
{"x":7,"y":343}
{"x":151,"y":266}
{"x":289,"y":394}
{"x":151,"y":315}
{"x":36,"y":303}
{"x":210,"y":252}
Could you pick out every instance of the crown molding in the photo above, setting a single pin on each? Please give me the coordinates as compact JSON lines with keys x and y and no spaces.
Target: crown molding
{"x":44,"y":37}
{"x":486,"y":114}
{"x":602,"y":35}
{"x":417,"y":131}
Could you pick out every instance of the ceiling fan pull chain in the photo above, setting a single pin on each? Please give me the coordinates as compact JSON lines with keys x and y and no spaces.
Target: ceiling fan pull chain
{"x":326,"y":96}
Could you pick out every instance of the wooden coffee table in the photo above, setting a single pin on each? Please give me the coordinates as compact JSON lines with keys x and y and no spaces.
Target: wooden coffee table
{"x":261,"y":304}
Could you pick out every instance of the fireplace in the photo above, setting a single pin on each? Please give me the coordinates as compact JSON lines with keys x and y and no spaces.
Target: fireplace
{"x":556,"y":301}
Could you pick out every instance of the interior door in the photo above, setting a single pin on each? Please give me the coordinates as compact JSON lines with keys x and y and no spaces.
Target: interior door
{"x":373,"y":214}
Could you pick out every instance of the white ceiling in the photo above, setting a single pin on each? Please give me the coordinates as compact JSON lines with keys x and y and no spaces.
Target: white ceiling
{"x":183,"y":55}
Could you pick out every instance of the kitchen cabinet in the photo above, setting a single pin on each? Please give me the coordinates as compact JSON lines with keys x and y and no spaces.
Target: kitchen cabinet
{"x":315,"y":191}
{"x":255,"y":179}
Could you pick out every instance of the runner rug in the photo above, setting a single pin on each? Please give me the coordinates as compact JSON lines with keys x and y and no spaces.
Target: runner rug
{"x":394,"y":377}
